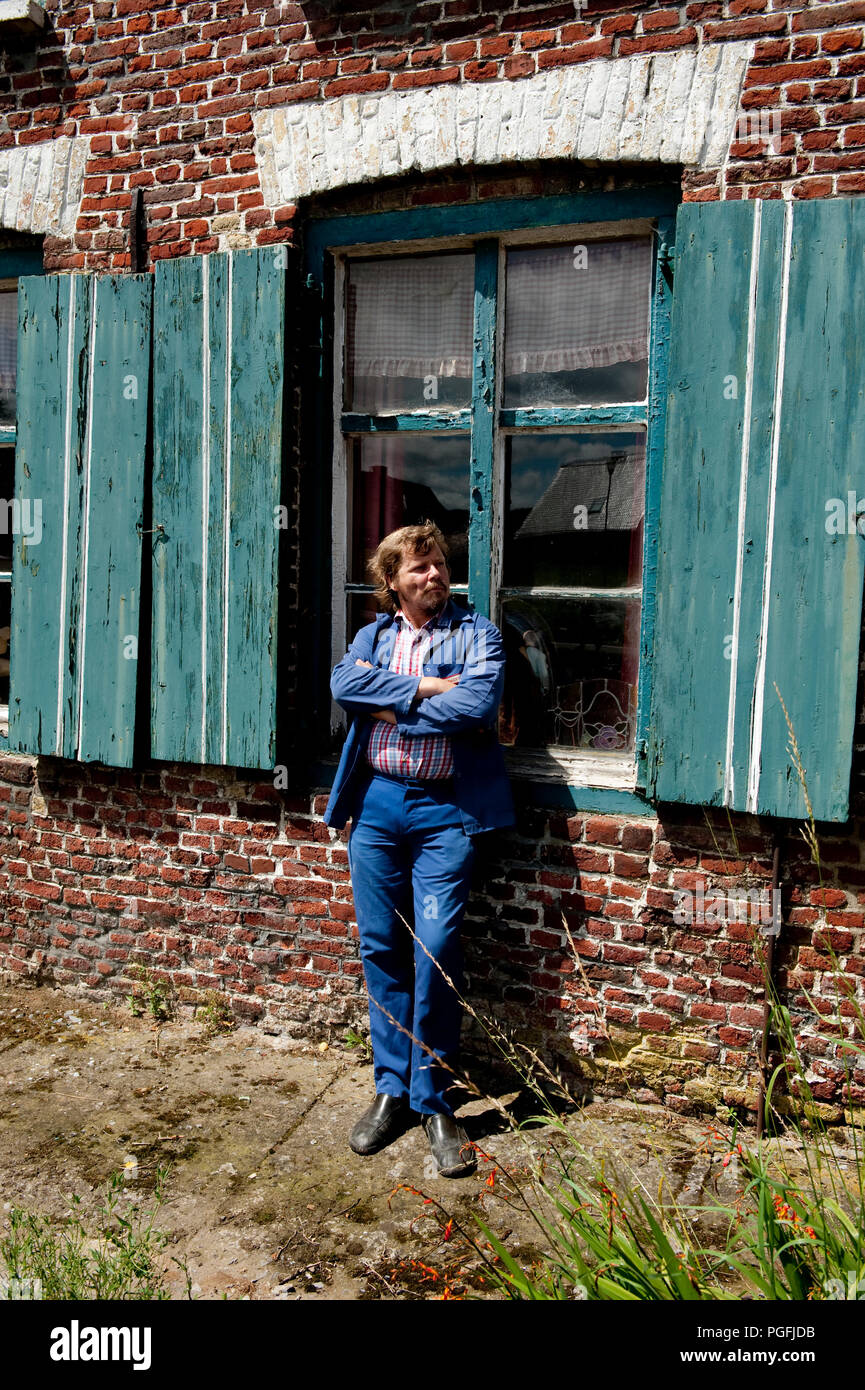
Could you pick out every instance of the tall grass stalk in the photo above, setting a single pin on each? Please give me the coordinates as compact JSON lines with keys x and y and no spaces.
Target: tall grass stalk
{"x":789,"y":1236}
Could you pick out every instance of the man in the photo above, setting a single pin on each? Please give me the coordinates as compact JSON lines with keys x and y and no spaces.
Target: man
{"x":421,"y":773}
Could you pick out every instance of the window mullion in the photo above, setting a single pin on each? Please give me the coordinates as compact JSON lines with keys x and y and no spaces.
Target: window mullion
{"x":412,"y":421}
{"x":558,"y":417}
{"x":497,"y":556}
{"x":659,"y":337}
{"x":483,"y":424}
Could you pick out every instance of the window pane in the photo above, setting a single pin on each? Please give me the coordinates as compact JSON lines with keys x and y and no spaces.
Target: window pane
{"x":402,"y":480}
{"x":574,"y":509}
{"x":5,"y":621}
{"x":577,"y":323}
{"x":571,"y":673}
{"x":8,"y":354}
{"x":7,"y":493}
{"x":409,"y":324}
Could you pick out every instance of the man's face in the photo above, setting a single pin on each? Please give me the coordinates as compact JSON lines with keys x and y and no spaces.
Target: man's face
{"x":422,"y":581}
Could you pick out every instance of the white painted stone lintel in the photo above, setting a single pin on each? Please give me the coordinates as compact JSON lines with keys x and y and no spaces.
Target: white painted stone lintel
{"x":671,"y":108}
{"x":41,"y":185}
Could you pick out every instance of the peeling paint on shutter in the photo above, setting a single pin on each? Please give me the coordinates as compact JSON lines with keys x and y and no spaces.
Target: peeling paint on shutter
{"x":218,"y":409}
{"x":83,"y":378}
{"x":765,"y":426}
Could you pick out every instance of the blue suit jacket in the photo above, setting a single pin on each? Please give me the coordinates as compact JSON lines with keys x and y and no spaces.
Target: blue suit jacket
{"x":464,"y":644}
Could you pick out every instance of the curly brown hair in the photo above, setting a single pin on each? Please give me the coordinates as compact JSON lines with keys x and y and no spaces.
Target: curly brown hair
{"x":390,"y":553}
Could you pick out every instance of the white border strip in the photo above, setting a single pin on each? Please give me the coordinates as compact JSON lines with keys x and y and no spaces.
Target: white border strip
{"x":743,"y":501}
{"x":85,"y":547}
{"x":67,"y":458}
{"x":341,"y":500}
{"x":205,"y":486}
{"x":760,"y":682}
{"x":226,"y":506}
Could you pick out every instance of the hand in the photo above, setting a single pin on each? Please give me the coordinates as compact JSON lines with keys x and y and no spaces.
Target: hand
{"x":359,"y":662}
{"x":435,"y":685}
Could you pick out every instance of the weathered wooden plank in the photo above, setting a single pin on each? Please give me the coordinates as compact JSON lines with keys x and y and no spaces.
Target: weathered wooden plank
{"x":219,"y":354}
{"x":753,"y":476}
{"x":38,"y":666}
{"x":81,"y":449}
{"x":699,"y":502}
{"x":561,"y":417}
{"x":216,"y":393}
{"x":815,"y":590}
{"x":178,"y":657}
{"x":659,"y":348}
{"x":483,"y":423}
{"x":75,"y":474}
{"x":46,"y":578}
{"x":116,"y":441}
{"x":253,"y":493}
{"x":392,"y":424}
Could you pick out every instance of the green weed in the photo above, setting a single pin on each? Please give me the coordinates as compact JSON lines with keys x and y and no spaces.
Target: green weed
{"x":63,"y":1260}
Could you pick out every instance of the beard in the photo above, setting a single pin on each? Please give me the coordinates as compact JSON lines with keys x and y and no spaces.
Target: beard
{"x":431,"y":600}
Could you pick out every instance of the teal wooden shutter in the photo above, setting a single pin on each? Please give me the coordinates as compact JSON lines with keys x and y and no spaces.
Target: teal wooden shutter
{"x":83,"y":376}
{"x":758,"y":585}
{"x":217,"y":456}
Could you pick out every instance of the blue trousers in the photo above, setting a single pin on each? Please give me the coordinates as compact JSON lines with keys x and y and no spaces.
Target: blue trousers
{"x":408,"y":853}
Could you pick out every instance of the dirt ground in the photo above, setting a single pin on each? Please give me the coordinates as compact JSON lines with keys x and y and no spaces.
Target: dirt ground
{"x":264,"y":1198}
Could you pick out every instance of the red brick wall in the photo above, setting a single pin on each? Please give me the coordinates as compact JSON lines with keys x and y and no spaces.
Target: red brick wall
{"x":212,"y":883}
{"x":167,"y":94}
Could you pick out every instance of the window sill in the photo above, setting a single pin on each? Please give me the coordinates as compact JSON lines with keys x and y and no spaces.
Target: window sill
{"x":598,"y":783}
{"x":577,"y":768}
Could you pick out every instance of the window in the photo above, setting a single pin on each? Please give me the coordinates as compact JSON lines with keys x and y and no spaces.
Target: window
{"x":503,"y":386}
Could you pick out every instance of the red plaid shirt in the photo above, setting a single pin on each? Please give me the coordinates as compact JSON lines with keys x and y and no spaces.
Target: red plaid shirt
{"x":388,"y":751}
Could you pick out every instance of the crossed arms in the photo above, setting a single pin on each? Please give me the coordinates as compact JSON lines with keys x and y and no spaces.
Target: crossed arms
{"x":466,"y":702}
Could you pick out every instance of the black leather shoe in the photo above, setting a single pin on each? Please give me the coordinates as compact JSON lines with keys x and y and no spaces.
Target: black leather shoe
{"x":378,"y":1126}
{"x":450,"y":1146}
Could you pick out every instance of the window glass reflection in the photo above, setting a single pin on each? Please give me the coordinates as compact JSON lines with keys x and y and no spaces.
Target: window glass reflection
{"x":403,"y":480}
{"x":574,"y":509}
{"x":571,"y":673}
